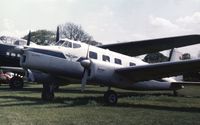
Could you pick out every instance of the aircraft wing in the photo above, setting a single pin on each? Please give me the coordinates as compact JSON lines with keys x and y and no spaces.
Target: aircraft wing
{"x":159,"y":70}
{"x":13,"y":69}
{"x":136,"y":48}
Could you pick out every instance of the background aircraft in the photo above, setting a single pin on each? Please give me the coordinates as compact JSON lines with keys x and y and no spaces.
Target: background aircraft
{"x":11,"y":72}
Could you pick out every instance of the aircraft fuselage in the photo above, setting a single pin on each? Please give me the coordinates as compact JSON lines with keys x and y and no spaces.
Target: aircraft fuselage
{"x":65,"y":62}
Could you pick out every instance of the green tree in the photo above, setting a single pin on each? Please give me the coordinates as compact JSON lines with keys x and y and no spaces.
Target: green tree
{"x":76,"y":32}
{"x":42,"y":37}
{"x":155,"y":58}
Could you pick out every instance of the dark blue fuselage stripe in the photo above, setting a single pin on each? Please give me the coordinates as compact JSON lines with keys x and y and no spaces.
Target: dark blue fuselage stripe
{"x":48,"y":52}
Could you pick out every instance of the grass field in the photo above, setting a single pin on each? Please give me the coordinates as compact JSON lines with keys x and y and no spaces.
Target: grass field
{"x":24,"y":107}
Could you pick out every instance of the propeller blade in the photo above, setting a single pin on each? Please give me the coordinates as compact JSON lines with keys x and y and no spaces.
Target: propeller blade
{"x":87,"y":54}
{"x":57,"y":34}
{"x":29,"y":38}
{"x":170,"y":54}
{"x":84,"y":80}
{"x":86,"y":64}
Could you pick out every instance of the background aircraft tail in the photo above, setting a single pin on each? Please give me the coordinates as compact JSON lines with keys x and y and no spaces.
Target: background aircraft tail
{"x":175,"y":55}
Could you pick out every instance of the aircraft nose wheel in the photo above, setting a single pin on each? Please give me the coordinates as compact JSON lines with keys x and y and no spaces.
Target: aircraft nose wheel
{"x":110,"y":97}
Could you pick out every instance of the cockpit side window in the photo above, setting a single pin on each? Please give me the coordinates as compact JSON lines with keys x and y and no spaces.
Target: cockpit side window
{"x":19,"y":42}
{"x":16,"y":42}
{"x":75,"y":45}
{"x":67,"y":44}
{"x":132,"y":64}
{"x":59,"y":43}
{"x":70,"y":45}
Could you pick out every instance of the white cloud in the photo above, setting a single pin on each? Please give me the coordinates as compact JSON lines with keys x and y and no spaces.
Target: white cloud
{"x":8,"y":24}
{"x":8,"y":28}
{"x":13,"y":33}
{"x":191,"y":23}
{"x":195,"y":18}
{"x":162,"y":23}
{"x":161,"y":27}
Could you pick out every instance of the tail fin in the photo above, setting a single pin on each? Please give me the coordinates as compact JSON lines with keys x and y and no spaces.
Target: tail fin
{"x":175,"y":55}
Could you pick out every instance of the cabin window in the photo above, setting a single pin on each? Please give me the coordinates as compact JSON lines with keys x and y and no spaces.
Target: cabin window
{"x":75,"y":45}
{"x":13,"y":54}
{"x":67,"y":44}
{"x":106,"y":58}
{"x":118,"y":61}
{"x":132,"y":64}
{"x":93,"y":55}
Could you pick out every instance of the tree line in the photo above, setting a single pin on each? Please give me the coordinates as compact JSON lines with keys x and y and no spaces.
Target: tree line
{"x":68,"y":30}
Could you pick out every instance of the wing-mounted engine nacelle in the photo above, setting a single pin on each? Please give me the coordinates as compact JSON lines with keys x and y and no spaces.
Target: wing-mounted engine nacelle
{"x":101,"y":72}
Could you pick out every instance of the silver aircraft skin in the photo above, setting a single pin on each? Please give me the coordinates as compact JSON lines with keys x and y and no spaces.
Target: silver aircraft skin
{"x":69,"y":67}
{"x":70,"y":61}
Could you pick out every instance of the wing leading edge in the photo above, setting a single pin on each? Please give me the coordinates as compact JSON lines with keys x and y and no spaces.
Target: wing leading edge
{"x":136,"y":48}
{"x":159,"y":70}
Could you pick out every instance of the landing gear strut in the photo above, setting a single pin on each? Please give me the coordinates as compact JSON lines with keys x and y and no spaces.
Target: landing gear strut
{"x":48,"y":91}
{"x":110,"y":97}
{"x":175,"y":93}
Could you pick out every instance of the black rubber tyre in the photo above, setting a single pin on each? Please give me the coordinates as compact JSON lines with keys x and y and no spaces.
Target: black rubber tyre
{"x":16,"y":83}
{"x":56,"y":87}
{"x":110,"y":97}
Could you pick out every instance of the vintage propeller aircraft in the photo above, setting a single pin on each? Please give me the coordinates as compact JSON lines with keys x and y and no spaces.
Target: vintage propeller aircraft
{"x":112,"y":65}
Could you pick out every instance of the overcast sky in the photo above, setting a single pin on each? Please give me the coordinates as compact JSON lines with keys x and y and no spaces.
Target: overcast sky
{"x":107,"y":21}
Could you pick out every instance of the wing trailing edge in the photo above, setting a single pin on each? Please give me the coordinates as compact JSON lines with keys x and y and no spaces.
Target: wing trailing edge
{"x":136,"y":48}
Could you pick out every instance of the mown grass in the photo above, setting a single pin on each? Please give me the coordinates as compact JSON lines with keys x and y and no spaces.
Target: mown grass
{"x":24,"y":107}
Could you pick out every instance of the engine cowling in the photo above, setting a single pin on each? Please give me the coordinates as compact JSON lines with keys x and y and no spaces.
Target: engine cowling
{"x":102,"y":72}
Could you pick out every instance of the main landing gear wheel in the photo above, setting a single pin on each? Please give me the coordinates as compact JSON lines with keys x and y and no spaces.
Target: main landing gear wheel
{"x":110,"y":97}
{"x":47,"y":92}
{"x":16,"y":83}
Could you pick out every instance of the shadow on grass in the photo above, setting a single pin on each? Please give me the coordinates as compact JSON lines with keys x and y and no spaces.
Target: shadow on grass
{"x":65,"y":90}
{"x":67,"y":101}
{"x":83,"y":101}
{"x":90,"y":100}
